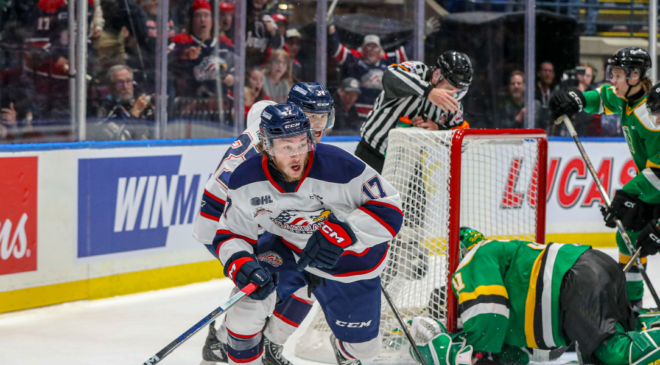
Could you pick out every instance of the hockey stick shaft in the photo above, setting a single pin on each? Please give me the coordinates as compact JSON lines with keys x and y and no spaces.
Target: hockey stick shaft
{"x":160,"y":355}
{"x":608,"y":202}
{"x":633,"y":260}
{"x":404,"y":328}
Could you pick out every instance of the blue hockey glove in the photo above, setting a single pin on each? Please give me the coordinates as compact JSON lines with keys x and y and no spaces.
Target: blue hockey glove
{"x":242,"y":268}
{"x":326,"y":245}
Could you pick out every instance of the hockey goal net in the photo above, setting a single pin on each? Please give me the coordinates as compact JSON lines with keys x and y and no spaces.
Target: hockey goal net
{"x":489,"y":180}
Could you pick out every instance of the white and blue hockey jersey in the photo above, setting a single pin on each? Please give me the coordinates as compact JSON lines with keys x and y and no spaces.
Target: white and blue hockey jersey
{"x":215,"y":190}
{"x":334,"y":181}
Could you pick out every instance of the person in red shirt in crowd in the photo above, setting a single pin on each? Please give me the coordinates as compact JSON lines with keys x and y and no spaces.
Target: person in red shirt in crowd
{"x":367,"y":64}
{"x":192,"y":59}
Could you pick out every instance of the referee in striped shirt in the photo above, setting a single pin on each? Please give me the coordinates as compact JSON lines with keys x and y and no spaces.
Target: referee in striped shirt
{"x":428,"y":97}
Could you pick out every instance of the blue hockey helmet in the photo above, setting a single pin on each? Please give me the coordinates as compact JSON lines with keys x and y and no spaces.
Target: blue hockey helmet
{"x":314,"y":98}
{"x":286,"y":121}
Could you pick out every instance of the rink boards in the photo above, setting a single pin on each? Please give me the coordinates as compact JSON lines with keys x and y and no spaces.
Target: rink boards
{"x":94,"y":220}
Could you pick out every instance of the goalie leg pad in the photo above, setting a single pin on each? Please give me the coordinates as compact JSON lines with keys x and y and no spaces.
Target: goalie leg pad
{"x":436,"y":346}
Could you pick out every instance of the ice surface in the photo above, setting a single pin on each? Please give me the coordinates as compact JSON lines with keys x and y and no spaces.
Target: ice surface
{"x":129,"y":329}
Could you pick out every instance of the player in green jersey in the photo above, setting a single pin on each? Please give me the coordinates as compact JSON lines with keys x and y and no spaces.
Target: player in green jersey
{"x":515,"y":294}
{"x":634,"y":204}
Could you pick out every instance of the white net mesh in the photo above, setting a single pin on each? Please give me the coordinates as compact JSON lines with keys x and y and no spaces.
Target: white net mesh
{"x":498,"y":192}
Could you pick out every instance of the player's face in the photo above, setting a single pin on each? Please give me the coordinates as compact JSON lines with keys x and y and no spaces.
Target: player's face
{"x":318,"y":121}
{"x":618,"y":79}
{"x":202,"y":22}
{"x":226,"y":21}
{"x":371,"y":52}
{"x":290,"y":155}
{"x":123,"y":84}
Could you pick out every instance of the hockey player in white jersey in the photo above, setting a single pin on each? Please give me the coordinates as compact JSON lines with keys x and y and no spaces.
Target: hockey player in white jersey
{"x":326,"y":215}
{"x":317,"y":103}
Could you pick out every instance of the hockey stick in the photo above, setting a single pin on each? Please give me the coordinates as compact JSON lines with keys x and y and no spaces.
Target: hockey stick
{"x":606,"y":199}
{"x":402,"y":324}
{"x":160,"y":355}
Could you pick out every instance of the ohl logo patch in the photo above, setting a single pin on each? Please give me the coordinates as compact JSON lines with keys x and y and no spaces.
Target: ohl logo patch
{"x":300,"y":221}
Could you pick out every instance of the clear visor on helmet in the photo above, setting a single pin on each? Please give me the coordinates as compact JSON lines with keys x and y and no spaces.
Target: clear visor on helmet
{"x":460,"y":94}
{"x":614,"y":74}
{"x":654,"y":116}
{"x":290,"y":145}
{"x":321,"y":121}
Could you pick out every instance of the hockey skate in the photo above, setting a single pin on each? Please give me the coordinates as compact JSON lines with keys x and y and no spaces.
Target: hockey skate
{"x":273,"y":354}
{"x":341,"y":358}
{"x":214,"y":351}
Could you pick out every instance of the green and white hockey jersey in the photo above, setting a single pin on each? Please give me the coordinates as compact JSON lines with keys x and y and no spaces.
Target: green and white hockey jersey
{"x":642,"y":135}
{"x":508,"y":293}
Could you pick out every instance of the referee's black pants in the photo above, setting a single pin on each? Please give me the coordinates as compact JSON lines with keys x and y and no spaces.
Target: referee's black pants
{"x":370,"y":156}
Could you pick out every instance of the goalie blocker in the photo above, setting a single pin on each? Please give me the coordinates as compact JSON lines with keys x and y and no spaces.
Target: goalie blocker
{"x":515,"y":294}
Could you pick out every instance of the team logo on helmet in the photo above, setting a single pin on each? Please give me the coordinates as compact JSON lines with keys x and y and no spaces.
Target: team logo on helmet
{"x":271,"y":258}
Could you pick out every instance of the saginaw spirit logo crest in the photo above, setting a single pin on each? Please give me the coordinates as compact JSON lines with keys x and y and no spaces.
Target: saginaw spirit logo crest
{"x":271,"y":258}
{"x":300,"y":221}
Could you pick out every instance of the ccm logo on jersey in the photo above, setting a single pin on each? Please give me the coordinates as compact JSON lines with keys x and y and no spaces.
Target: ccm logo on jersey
{"x":352,"y":324}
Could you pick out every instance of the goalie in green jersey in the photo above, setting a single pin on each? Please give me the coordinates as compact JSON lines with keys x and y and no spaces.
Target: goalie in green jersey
{"x":636,"y":202}
{"x":516,"y":295}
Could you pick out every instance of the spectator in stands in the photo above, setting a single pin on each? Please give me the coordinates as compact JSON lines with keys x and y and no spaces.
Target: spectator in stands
{"x":261,"y":34}
{"x":278,"y":76}
{"x":255,"y":80}
{"x":367,"y":64}
{"x":227,"y":19}
{"x":122,"y":103}
{"x":282,"y":23}
{"x":121,"y":115}
{"x":510,"y":108}
{"x":545,"y":86}
{"x":347,"y":120}
{"x":293,"y":47}
{"x":192,"y":58}
{"x":249,"y":97}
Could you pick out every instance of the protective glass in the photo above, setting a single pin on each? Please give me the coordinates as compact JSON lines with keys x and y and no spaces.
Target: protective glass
{"x":291,"y":145}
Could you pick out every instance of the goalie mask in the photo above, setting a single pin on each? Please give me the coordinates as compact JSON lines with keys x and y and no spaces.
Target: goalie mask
{"x":286,"y":122}
{"x":653,"y":104}
{"x":468,"y":237}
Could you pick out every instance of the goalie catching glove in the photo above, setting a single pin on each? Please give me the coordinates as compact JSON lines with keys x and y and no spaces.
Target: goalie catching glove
{"x":327,"y":244}
{"x":627,"y":208}
{"x":242,"y":268}
{"x":567,"y":102}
